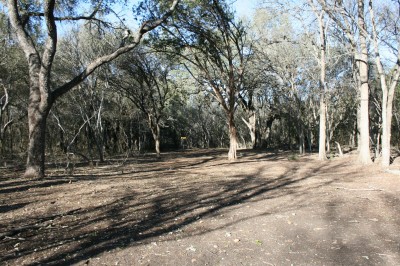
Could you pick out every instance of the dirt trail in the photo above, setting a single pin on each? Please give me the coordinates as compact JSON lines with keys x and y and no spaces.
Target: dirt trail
{"x":196,"y":208}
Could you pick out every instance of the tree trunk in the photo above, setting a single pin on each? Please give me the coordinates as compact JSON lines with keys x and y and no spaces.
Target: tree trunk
{"x":353,"y":136}
{"x":155,"y":130}
{"x":364,"y":156}
{"x":322,"y":86}
{"x":302,"y":149}
{"x":387,"y":114}
{"x":387,"y":93}
{"x":339,"y":149}
{"x":310,"y":140}
{"x":37,"y":117}
{"x":40,"y":102}
{"x":157,"y":141}
{"x":322,"y":129}
{"x":251,"y":125}
{"x":377,"y":146}
{"x":232,"y":137}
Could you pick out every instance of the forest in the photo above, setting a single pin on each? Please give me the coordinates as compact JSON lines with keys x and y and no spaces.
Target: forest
{"x":311,"y":76}
{"x":88,"y":85}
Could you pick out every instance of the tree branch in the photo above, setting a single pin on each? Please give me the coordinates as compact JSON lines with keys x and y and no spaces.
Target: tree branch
{"x":146,"y":27}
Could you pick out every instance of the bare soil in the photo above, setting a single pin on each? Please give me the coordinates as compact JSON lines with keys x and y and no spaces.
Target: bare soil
{"x":197,"y":208}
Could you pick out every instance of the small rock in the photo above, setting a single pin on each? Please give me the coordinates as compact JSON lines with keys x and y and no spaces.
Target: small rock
{"x":191,"y":248}
{"x":236,"y":240}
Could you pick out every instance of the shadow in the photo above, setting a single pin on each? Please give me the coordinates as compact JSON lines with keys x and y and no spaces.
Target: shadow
{"x":358,"y":224}
{"x":21,"y":185}
{"x":85,"y":215}
{"x":7,"y":208}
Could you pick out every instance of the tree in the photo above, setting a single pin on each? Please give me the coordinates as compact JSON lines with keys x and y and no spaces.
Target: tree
{"x":13,"y":83}
{"x":388,"y":82}
{"x":355,"y":30}
{"x":320,"y":14}
{"x":145,"y":79}
{"x":216,"y":51}
{"x":40,"y":60}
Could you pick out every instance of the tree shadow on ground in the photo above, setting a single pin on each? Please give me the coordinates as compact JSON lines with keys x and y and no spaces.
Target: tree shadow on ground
{"x":129,"y":210}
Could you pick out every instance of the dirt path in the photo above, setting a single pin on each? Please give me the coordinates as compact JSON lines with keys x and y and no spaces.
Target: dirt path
{"x":196,"y":208}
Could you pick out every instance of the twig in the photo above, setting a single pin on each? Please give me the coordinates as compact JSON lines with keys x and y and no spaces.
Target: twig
{"x":360,"y":189}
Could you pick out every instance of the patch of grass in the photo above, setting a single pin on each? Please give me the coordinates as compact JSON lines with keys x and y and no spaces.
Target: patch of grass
{"x":293,"y":157}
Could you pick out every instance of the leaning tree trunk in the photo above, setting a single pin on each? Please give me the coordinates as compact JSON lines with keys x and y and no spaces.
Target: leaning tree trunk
{"x":232,"y":137}
{"x":387,"y":93}
{"x":251,"y":125}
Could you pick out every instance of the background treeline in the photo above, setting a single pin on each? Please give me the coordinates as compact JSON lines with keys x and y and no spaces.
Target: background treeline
{"x":211,"y":77}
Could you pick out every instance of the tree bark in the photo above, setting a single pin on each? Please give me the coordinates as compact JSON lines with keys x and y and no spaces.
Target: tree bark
{"x":322,"y":129}
{"x":232,"y":137}
{"x":302,"y":147}
{"x":364,"y":156}
{"x":35,"y":164}
{"x":322,"y":87}
{"x":251,"y":125}
{"x":156,"y":132}
{"x":157,"y":141}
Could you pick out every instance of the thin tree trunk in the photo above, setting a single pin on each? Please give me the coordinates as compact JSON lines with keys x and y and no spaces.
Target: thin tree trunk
{"x":364,"y":156}
{"x":232,"y":137}
{"x":310,"y":140}
{"x":377,"y":148}
{"x":322,"y":86}
{"x":339,"y":149}
{"x":157,"y":140}
{"x":322,"y":128}
{"x":155,"y":130}
{"x":387,"y":93}
{"x":301,"y":141}
{"x":251,"y":125}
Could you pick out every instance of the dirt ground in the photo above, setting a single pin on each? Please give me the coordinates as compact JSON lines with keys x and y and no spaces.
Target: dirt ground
{"x":196,"y":208}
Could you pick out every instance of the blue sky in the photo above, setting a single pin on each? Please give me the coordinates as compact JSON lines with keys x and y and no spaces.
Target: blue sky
{"x":245,"y":7}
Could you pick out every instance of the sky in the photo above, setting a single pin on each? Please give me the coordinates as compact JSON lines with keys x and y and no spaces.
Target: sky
{"x":245,"y":7}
